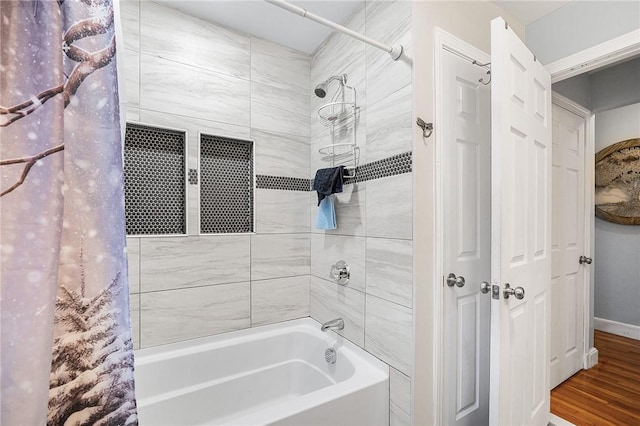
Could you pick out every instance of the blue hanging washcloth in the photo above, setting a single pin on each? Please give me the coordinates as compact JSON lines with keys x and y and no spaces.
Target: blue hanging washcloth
{"x":326,"y":218}
{"x":328,"y":181}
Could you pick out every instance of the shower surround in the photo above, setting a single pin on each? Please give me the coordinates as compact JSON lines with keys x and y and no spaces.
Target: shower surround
{"x":189,"y":74}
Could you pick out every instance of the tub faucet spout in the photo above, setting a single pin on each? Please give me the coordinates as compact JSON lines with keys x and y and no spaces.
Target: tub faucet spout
{"x":335,"y":324}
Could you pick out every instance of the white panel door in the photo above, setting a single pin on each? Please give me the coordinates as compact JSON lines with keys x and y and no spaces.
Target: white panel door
{"x":567,"y":245}
{"x":466,"y":165}
{"x":521,"y":232}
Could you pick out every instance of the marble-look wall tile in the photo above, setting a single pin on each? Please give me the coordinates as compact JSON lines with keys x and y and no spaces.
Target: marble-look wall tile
{"x":130,"y":18}
{"x":171,"y":263}
{"x":180,"y":89}
{"x":279,"y":66}
{"x":133,"y":260}
{"x":194,"y":126}
{"x":390,"y":207}
{"x":174,"y":315}
{"x":326,"y":250}
{"x":193,"y":201}
{"x":132,"y":114}
{"x":279,"y":211}
{"x":330,"y":301}
{"x":279,"y":110}
{"x":280,"y":154}
{"x":134,"y":306}
{"x":386,"y":76}
{"x":339,"y":54}
{"x":131,"y":68}
{"x":350,"y":211}
{"x":279,"y":255}
{"x":387,"y":20}
{"x":279,"y":299}
{"x":389,"y":125}
{"x":170,"y":34}
{"x":390,"y":270}
{"x":389,"y":333}
{"x":399,"y":399}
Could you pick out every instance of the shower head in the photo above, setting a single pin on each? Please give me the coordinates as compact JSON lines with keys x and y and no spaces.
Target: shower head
{"x":321,"y":89}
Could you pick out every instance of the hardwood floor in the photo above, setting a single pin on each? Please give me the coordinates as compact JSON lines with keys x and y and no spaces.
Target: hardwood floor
{"x":607,"y":394}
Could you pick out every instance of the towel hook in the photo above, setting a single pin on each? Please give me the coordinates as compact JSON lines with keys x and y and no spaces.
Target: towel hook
{"x":482,"y":79}
{"x":425,"y":127}
{"x":488,"y":71}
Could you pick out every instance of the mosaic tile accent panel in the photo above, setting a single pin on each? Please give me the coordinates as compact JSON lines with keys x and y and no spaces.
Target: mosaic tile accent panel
{"x":283,"y":183}
{"x":193,"y":176}
{"x":391,"y":166}
{"x":226,"y":185}
{"x":154,"y":180}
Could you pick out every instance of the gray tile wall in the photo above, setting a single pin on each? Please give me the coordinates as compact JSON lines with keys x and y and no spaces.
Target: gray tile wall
{"x":374,"y":233}
{"x":184,"y":73}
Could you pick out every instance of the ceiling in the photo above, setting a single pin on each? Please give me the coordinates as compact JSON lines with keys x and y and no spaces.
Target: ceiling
{"x":269,"y":22}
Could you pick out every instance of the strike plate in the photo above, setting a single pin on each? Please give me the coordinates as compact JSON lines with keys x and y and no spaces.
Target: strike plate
{"x":495,"y":292}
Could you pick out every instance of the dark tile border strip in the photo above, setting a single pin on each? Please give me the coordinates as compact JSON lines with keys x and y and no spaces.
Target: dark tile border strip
{"x":391,"y":166}
{"x":283,"y":183}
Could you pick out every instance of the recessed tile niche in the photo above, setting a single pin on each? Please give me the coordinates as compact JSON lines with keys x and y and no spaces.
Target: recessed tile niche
{"x":226,"y":185}
{"x":154,"y":180}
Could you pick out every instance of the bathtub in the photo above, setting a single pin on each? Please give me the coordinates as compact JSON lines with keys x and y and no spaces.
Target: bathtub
{"x":274,"y":374}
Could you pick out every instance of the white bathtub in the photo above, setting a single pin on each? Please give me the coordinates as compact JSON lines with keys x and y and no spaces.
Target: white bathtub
{"x":275,"y":374}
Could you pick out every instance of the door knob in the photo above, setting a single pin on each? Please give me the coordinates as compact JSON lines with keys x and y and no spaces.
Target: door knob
{"x":518,"y":292}
{"x":585,"y":259}
{"x":453,"y":280}
{"x":485,"y":287}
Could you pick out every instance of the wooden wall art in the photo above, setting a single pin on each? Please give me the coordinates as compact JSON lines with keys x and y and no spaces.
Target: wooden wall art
{"x":617,"y":196}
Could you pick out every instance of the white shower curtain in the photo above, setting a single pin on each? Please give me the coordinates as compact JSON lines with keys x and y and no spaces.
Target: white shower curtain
{"x":66,"y":354}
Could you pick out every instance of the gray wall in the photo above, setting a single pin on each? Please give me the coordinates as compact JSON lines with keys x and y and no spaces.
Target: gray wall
{"x":617,"y":248}
{"x":185,"y":73}
{"x":579,"y":25}
{"x":614,"y":95}
{"x":613,"y":87}
{"x":575,"y":88}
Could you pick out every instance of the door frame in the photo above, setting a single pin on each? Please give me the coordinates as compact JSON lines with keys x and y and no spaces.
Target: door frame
{"x":589,"y":353}
{"x":608,"y":52}
{"x":443,"y":41}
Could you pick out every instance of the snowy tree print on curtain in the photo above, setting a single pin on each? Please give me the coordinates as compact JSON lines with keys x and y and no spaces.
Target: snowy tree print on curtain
{"x":67,"y":356}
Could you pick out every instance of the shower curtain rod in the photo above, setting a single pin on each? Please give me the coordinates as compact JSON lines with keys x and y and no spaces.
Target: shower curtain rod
{"x":394,"y":51}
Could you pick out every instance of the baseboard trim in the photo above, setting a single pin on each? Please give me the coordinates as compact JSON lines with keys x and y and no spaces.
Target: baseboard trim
{"x":591,"y":359}
{"x":618,"y":328}
{"x":558,"y":421}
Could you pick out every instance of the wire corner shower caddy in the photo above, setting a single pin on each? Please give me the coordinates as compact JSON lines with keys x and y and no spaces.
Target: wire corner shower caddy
{"x":338,"y":115}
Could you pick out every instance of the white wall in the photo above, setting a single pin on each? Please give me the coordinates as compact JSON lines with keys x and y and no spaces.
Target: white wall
{"x":579,"y":25}
{"x":617,"y":247}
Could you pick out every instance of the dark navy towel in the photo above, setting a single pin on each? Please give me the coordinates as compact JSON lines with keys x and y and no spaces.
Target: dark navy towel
{"x":328,"y":181}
